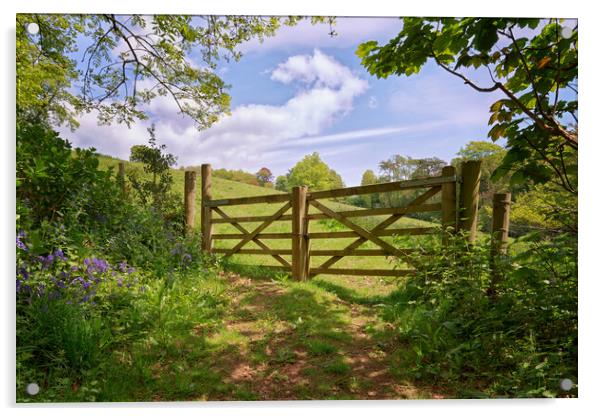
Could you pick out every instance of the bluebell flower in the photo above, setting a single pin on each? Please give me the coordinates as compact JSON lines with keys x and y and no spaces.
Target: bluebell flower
{"x":123,"y":266}
{"x":23,"y":271}
{"x":131,"y":270}
{"x":21,"y":244}
{"x":18,"y":286}
{"x":58,"y":253}
{"x":119,"y":282}
{"x":101,"y":265}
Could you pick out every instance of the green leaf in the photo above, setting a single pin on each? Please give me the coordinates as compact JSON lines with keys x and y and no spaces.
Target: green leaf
{"x":518,"y":178}
{"x":365,"y":48}
{"x":497,"y":131}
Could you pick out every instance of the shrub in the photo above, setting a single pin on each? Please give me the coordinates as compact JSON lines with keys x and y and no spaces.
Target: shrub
{"x":520,"y":342}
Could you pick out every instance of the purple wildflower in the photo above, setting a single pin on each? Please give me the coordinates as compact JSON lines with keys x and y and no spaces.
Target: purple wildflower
{"x":23,"y":271}
{"x":101,"y":265}
{"x":21,"y":244}
{"x":123,"y":266}
{"x":186,"y":258}
{"x":18,"y":286}
{"x":120,"y":282}
{"x":86,"y":284}
{"x":58,"y":253}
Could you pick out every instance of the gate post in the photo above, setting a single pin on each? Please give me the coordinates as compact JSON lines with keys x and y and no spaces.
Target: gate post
{"x":300,"y":253}
{"x":448,"y":203}
{"x":206,"y":226}
{"x":189,"y":200}
{"x":500,"y":224}
{"x":469,"y":198}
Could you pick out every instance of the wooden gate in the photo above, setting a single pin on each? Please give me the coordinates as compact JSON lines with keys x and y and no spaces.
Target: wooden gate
{"x":458,"y":206}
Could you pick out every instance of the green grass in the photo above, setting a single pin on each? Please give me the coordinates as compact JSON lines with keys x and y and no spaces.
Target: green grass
{"x":225,"y":189}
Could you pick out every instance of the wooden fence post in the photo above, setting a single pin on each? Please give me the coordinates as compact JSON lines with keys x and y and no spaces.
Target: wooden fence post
{"x":469,"y":198}
{"x":299,"y":244}
{"x":448,"y":203}
{"x":121,"y":176}
{"x":500,"y":224}
{"x":189,"y":200}
{"x":206,"y":226}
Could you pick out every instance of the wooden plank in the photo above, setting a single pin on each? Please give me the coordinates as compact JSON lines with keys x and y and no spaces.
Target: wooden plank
{"x":261,"y":199}
{"x":231,"y":220}
{"x":448,"y":203}
{"x":381,"y":187}
{"x":256,"y":231}
{"x":381,"y":211}
{"x":359,"y":230}
{"x":367,"y":252}
{"x":421,"y":199}
{"x":206,"y":213}
{"x":263,"y":236}
{"x":268,"y":251}
{"x":379,"y":233}
{"x":362,"y":272}
{"x":255,"y":240}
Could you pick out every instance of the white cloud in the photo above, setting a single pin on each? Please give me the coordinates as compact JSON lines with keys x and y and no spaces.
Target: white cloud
{"x":242,"y":139}
{"x":348,"y":136}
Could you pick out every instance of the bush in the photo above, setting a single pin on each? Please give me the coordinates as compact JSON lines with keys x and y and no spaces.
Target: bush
{"x":518,"y":340}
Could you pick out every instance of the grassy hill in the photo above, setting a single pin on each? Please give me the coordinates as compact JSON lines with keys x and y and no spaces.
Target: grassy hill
{"x":223,"y":189}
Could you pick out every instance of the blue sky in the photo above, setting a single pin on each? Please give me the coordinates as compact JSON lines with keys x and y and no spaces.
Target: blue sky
{"x":304,"y":91}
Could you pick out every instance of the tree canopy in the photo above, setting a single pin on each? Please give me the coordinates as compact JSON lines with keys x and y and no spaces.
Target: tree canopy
{"x":533,"y":62}
{"x":312,"y":172}
{"x":117,"y":63}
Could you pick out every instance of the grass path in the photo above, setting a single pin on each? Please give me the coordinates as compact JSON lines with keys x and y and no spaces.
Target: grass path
{"x":283,"y":340}
{"x":233,"y":337}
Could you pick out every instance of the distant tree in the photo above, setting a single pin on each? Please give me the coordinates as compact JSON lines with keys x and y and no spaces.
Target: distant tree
{"x":282,"y":183}
{"x":369,"y":178}
{"x":264,"y":176}
{"x":396,"y":168}
{"x":430,"y":166}
{"x":314,"y":173}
